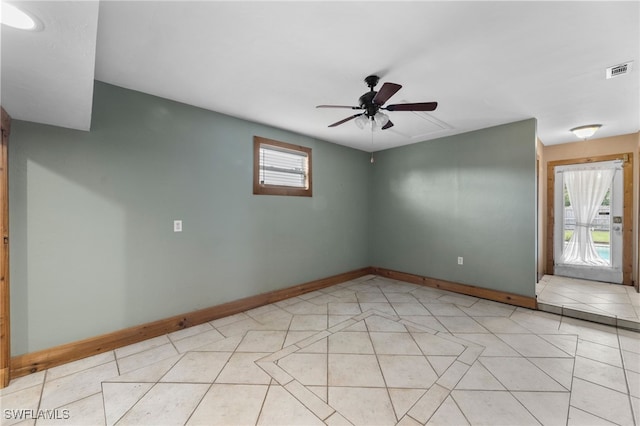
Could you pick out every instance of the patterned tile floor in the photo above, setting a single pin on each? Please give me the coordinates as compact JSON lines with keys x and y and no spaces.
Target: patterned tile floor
{"x":366,"y":352}
{"x":610,"y":304}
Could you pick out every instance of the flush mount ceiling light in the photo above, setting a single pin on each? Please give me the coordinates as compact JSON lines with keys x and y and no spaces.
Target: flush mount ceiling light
{"x":12,"y":16}
{"x":584,"y":132}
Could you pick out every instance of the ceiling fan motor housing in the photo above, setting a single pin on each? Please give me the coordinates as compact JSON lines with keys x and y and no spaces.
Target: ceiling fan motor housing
{"x":366,"y":103}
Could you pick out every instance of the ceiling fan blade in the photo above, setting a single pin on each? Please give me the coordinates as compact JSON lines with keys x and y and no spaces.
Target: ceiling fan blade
{"x":421,"y":106}
{"x":386,"y":91}
{"x":338,"y":106}
{"x":344,"y":121}
{"x":386,"y":126}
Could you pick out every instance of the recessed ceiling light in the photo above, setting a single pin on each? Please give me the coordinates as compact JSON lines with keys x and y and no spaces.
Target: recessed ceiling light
{"x":14,"y":17}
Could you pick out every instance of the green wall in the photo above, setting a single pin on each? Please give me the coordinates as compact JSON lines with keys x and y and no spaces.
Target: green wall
{"x":93,"y":248}
{"x":92,"y":244}
{"x":470,"y":195}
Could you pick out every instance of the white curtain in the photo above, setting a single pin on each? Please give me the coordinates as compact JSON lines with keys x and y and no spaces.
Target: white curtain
{"x":586,"y":189}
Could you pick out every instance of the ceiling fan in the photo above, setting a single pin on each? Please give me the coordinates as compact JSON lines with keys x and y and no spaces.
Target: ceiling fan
{"x":372,"y":102}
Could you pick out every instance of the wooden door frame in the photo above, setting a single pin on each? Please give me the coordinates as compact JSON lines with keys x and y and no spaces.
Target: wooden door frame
{"x":5,"y":326}
{"x":627,"y":221}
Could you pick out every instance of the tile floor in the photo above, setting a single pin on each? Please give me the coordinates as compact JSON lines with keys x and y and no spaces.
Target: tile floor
{"x":610,"y":304}
{"x":366,"y":352}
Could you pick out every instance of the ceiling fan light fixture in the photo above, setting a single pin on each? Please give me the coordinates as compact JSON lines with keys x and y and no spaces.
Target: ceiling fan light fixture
{"x":361,"y":121}
{"x":381,"y":119}
{"x":584,"y":132}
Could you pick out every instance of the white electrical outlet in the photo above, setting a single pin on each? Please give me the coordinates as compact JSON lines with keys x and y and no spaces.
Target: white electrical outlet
{"x":177,"y":226}
{"x":460,"y":260}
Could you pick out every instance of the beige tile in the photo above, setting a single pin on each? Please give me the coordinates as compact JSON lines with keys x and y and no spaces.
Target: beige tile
{"x":403,"y":399}
{"x":409,"y":308}
{"x":239,"y":327}
{"x":309,"y":399}
{"x":86,"y":411}
{"x":394,"y":344}
{"x":491,"y":344}
{"x":581,"y":418}
{"x":197,"y":367}
{"x":383,"y":307}
{"x":448,"y":414}
{"x":165,"y":404}
{"x":305,"y":308}
{"x":149,"y":374}
{"x":189,"y":331}
{"x":600,"y":373}
{"x":431,"y":323}
{"x":377,"y":323}
{"x":143,"y":359}
{"x":337,"y":419}
{"x":631,"y":361}
{"x":23,"y":382}
{"x":141,"y":346}
{"x":23,"y":399}
{"x":242,"y":369}
{"x":77,"y":366}
{"x":281,"y":408}
{"x":294,"y":337}
{"x":492,"y":408}
{"x":120,"y":397}
{"x":519,"y":374}
{"x":276,"y":372}
{"x":341,"y":308}
{"x":440,"y":364}
{"x":442,"y":309}
{"x":598,"y":352}
{"x":602,"y":402}
{"x":308,"y":369}
{"x":309,"y":322}
{"x":198,"y":340}
{"x":461,"y":324}
{"x":550,"y":408}
{"x":500,"y":325}
{"x":371,"y":297}
{"x":565,"y":342}
{"x":406,"y":371}
{"x":230,"y":405}
{"x":559,"y":369}
{"x":363,"y":406}
{"x":532,"y":346}
{"x":450,"y":378}
{"x":479,"y":378}
{"x":354,"y":370}
{"x":262,"y":341}
{"x":229,"y":319}
{"x":228,"y":344}
{"x":67,"y":389}
{"x":434,"y":345}
{"x":350,"y":343}
{"x":428,"y":404}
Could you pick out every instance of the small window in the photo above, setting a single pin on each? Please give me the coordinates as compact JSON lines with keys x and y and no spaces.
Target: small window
{"x":280,"y":168}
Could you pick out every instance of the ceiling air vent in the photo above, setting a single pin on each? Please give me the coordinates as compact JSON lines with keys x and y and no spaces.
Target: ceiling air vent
{"x":618,"y":70}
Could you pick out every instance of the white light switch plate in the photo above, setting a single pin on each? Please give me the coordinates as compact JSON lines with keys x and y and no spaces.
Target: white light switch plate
{"x":177,"y":226}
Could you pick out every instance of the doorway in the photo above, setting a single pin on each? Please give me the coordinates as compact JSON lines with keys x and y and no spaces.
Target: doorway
{"x":588,"y":225}
{"x":556,"y":228}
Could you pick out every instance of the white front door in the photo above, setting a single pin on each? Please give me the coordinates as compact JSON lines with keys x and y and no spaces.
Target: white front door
{"x":588,"y":221}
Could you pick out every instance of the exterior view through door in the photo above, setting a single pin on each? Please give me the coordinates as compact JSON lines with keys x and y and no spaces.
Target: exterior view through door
{"x":588,"y":225}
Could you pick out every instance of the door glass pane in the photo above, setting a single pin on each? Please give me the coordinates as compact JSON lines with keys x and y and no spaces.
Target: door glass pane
{"x":600,"y":228}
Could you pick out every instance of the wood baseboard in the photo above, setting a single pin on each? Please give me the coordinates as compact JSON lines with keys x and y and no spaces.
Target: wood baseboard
{"x":22,"y":365}
{"x":483,"y":293}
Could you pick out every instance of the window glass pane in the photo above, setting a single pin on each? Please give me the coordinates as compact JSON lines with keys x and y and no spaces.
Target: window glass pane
{"x":283,"y":168}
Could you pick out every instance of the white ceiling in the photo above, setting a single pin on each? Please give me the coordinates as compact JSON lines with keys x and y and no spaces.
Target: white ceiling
{"x":485,"y":63}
